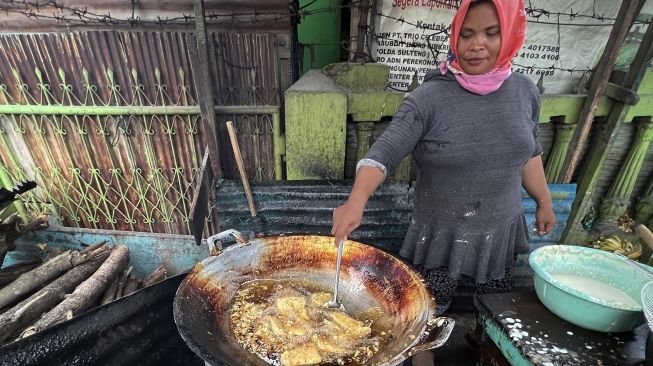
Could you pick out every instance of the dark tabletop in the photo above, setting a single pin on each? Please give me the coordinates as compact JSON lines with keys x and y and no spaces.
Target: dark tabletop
{"x":545,"y":339}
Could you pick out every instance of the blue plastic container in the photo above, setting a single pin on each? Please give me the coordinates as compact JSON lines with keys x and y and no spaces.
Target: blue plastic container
{"x":578,"y":307}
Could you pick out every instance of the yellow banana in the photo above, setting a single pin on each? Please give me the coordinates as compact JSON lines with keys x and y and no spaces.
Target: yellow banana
{"x":620,"y":251}
{"x":628,"y":246}
{"x":610,"y":244}
{"x":614,"y":240}
{"x":636,"y":252}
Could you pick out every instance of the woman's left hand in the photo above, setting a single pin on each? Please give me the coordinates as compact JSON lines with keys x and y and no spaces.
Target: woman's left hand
{"x":545,"y":219}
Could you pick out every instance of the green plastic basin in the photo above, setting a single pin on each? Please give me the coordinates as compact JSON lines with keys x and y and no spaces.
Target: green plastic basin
{"x":578,"y":307}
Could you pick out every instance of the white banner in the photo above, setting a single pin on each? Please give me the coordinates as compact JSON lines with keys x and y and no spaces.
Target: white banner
{"x":564,"y":39}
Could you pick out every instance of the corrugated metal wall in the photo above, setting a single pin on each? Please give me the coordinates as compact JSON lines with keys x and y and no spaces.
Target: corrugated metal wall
{"x":306,"y":207}
{"x":121,"y":172}
{"x":133,"y":169}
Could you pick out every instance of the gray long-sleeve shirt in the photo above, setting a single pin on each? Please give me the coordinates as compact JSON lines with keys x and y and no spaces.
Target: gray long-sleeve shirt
{"x":469,"y":150}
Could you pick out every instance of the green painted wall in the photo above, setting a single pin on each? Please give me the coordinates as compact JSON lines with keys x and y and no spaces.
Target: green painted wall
{"x":321,"y":31}
{"x":318,"y":105}
{"x":316,"y":118}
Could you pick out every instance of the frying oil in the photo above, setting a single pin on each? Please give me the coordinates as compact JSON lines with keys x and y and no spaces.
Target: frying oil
{"x":261,"y":328}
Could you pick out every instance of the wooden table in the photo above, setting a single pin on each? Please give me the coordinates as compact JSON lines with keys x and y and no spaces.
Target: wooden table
{"x":527,"y":333}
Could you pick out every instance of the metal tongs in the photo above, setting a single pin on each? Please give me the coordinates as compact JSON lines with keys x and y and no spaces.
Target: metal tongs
{"x":333,"y":304}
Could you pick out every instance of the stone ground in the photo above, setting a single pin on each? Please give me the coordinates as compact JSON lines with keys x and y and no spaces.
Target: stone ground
{"x":456,"y":351}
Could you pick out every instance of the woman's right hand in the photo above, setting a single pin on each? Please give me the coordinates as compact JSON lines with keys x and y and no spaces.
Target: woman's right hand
{"x":346,"y":218}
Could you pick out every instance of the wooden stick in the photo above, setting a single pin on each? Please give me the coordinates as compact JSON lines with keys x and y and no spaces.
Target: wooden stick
{"x":159,"y":274}
{"x":25,"y":312}
{"x":364,"y":9}
{"x":86,"y":293}
{"x":93,"y":247}
{"x":132,"y":285}
{"x":241,"y":168}
{"x":627,"y":14}
{"x":123,"y":279}
{"x":110,"y":293}
{"x":201,"y":69}
{"x":34,"y":279}
{"x":81,"y":257}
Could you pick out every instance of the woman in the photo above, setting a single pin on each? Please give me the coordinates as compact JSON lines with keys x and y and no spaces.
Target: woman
{"x":472,"y":129}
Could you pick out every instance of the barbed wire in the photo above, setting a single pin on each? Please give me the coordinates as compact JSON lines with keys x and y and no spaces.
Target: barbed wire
{"x":536,"y":13}
{"x":70,"y":15}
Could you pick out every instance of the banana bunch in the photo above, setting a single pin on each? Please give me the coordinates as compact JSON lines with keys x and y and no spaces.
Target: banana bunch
{"x":615,"y":244}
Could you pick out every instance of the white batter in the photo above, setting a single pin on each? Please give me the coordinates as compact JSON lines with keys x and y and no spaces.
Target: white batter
{"x":596,"y":289}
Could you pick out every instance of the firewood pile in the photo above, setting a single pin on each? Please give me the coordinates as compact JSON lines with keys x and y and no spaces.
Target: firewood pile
{"x":65,"y":285}
{"x":59,"y":284}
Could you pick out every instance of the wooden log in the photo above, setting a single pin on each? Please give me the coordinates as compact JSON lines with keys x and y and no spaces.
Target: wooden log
{"x":87,"y":292}
{"x":36,"y":278}
{"x":159,"y":274}
{"x":625,"y":17}
{"x":65,"y":316}
{"x":11,"y":273}
{"x":123,"y":280}
{"x":132,"y":285}
{"x":25,"y":312}
{"x":83,"y":256}
{"x":110,"y":293}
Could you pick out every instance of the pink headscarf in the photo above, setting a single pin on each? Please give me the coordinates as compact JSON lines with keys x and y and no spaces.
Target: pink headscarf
{"x":512,"y":22}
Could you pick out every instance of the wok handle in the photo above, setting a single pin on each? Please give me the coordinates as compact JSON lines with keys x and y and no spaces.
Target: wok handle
{"x":215,"y":241}
{"x":437,"y":337}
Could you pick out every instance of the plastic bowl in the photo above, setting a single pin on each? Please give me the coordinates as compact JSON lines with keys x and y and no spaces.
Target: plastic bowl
{"x":578,"y":307}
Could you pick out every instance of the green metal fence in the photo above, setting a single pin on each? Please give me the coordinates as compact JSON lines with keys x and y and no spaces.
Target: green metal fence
{"x":103,"y":161}
{"x":108,"y":123}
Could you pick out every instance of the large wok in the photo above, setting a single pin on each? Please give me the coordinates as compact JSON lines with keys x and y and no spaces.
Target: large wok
{"x":369,"y":277}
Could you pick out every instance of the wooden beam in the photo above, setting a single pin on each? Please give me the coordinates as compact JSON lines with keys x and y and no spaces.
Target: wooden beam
{"x":199,"y":209}
{"x":627,"y":13}
{"x":353,"y":32}
{"x":364,"y":11}
{"x":199,"y":57}
{"x":574,"y":234}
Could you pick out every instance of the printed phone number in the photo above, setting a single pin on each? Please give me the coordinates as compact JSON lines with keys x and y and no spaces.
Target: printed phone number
{"x":543,"y":48}
{"x":538,"y":56}
{"x":531,"y":71}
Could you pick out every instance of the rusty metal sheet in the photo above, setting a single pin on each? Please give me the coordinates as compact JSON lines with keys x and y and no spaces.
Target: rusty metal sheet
{"x":306,"y":207}
{"x":63,"y":16}
{"x":148,"y":68}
